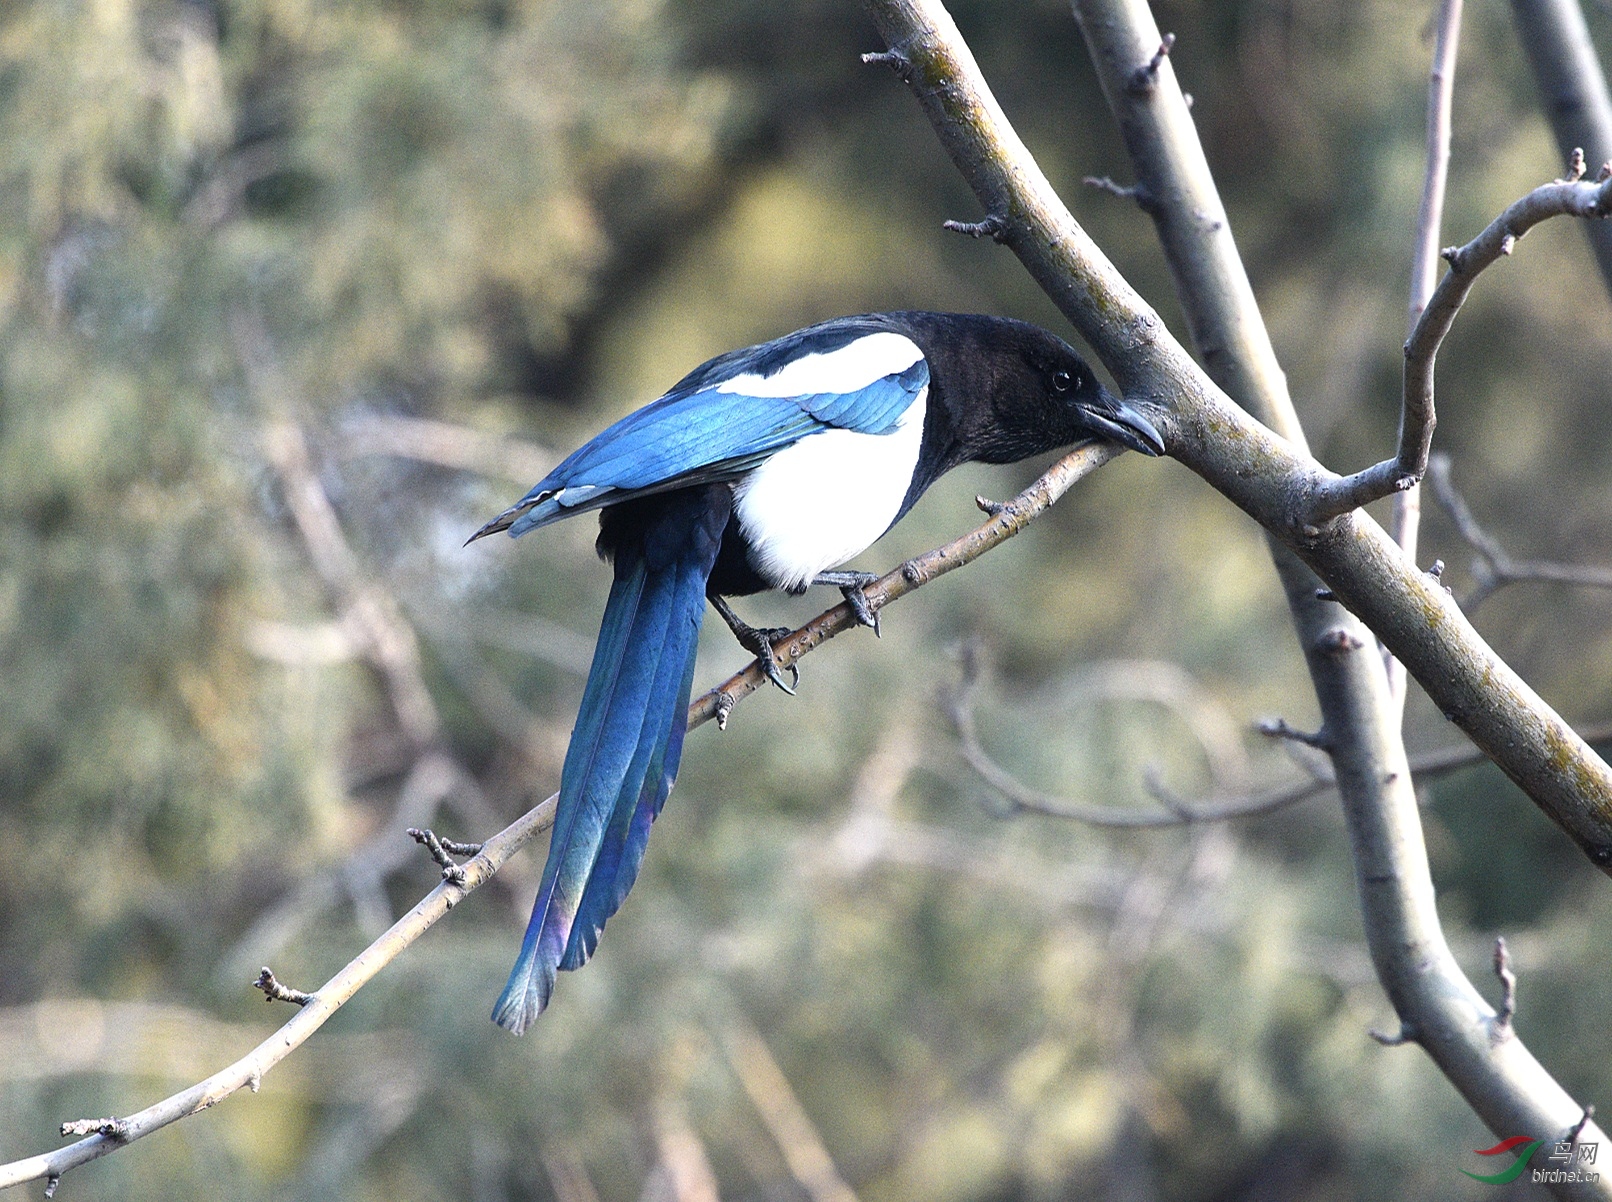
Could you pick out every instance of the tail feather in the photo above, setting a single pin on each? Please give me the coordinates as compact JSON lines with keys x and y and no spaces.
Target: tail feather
{"x":624,"y":749}
{"x":647,"y":783}
{"x":602,"y":745}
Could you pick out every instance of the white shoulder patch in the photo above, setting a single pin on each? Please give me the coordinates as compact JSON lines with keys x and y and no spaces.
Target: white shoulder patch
{"x":823,"y":501}
{"x":854,"y":366}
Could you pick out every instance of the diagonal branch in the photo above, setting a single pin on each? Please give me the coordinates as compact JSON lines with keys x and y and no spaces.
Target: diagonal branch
{"x":389,"y":641}
{"x":1263,"y":473}
{"x":1425,"y":766}
{"x":1006,"y":521}
{"x":247,"y":1072}
{"x":781,"y":1110}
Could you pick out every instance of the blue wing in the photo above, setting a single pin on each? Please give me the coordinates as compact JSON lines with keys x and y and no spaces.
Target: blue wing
{"x":699,"y":433}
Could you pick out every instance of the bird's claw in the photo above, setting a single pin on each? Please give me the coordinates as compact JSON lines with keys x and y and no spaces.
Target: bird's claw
{"x":866,"y":615}
{"x":768,"y":659}
{"x":758,"y":642}
{"x":851,"y":585}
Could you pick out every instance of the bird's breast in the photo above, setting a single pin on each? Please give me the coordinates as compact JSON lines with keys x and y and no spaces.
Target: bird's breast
{"x":828,"y":497}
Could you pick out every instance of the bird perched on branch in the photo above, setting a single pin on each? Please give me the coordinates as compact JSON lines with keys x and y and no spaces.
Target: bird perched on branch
{"x":767,"y":467}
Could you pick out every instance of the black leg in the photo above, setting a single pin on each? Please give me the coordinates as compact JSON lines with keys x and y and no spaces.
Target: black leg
{"x":851,"y":585}
{"x":758,"y":642}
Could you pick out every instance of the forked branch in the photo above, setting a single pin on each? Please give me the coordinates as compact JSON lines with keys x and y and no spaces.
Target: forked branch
{"x":1269,"y":476}
{"x":1438,"y":1005}
{"x":1566,"y":197}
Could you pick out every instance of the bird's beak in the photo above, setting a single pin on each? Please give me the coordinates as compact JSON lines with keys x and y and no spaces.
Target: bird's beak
{"x":1119,"y":420}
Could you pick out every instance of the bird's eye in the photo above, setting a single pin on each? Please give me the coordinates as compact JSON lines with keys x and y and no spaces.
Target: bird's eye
{"x":1062,"y":381}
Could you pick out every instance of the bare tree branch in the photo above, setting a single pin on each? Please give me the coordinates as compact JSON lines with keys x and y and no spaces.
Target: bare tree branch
{"x":1572,"y":88}
{"x":1430,"y":216}
{"x":1424,"y":266}
{"x":1221,"y":805}
{"x":1500,"y":1025}
{"x":390,"y":642}
{"x":1425,"y":766}
{"x":1006,"y":521}
{"x":274,"y":991}
{"x":1493,"y":567}
{"x":1024,"y":799}
{"x":786,"y":1119}
{"x":1566,"y":197}
{"x":1503,"y":1082}
{"x":1263,"y":473}
{"x":1361,"y":716}
{"x":372,"y":622}
{"x":684,"y":1169}
{"x":248,"y":1071}
{"x":446,"y":445}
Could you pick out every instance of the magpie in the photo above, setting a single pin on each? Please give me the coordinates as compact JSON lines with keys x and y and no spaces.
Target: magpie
{"x":767,"y":467}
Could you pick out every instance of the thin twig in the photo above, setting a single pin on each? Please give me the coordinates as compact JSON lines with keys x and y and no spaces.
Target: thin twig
{"x":1146,"y":77}
{"x":894,"y":59}
{"x":1134,"y":192}
{"x":1500,"y":1025}
{"x":1493,"y":567}
{"x":496,"y":851}
{"x":1007,"y":521}
{"x":1425,"y":766}
{"x":990,"y":226}
{"x":780,"y":1109}
{"x":1279,"y":728}
{"x":440,"y":849}
{"x":1024,"y":799}
{"x":274,"y":991}
{"x":1429,"y":219}
{"x":1577,"y":1128}
{"x":1560,"y":198}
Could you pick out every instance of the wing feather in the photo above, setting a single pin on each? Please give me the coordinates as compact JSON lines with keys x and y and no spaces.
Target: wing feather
{"x":724,"y":427}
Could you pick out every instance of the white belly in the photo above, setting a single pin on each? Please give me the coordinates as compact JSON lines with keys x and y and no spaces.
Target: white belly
{"x":826,"y":499}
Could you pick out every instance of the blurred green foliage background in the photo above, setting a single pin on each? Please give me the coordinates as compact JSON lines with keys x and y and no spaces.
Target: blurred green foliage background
{"x":248,"y":246}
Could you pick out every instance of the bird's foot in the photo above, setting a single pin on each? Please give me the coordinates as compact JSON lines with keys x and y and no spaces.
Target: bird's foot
{"x":758,"y":642}
{"x":851,"y":585}
{"x":761,"y":648}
